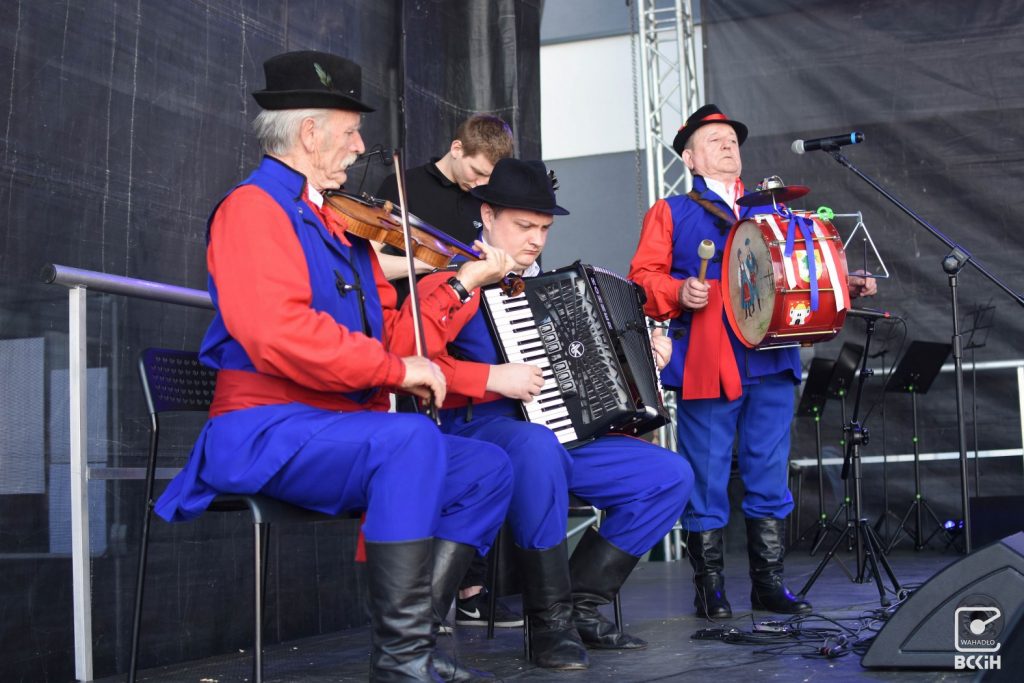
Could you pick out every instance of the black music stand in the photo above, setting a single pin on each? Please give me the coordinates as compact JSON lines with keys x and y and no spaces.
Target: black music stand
{"x":812,"y":404}
{"x":914,"y":375}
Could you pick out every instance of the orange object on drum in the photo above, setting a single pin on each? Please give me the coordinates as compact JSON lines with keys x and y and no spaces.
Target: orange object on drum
{"x":767,"y":295}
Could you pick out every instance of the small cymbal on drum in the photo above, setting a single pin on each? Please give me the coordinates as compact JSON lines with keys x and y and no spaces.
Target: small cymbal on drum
{"x":786,"y":193}
{"x":771,"y":190}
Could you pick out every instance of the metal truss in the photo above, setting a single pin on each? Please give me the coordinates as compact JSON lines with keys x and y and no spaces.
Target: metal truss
{"x":670,"y":88}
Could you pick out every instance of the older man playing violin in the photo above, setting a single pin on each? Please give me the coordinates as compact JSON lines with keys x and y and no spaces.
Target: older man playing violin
{"x":307,"y":344}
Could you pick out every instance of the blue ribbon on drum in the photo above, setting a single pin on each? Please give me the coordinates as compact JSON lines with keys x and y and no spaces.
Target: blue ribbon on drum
{"x":806,"y":227}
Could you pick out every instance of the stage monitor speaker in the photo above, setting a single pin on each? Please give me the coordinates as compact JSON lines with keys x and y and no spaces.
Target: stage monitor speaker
{"x":964,"y":610}
{"x":993,"y":517}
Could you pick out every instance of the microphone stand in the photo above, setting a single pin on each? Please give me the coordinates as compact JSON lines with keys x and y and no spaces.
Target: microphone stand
{"x":952,"y":264}
{"x":883,"y":520}
{"x":869,"y":546}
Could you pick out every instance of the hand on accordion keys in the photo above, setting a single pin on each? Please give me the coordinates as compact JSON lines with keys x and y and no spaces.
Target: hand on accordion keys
{"x":662,"y":347}
{"x":515,"y":380}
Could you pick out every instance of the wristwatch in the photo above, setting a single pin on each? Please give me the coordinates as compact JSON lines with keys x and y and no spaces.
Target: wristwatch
{"x":460,"y":290}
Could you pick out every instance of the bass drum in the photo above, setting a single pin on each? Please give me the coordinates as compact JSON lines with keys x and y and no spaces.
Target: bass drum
{"x":767,"y":295}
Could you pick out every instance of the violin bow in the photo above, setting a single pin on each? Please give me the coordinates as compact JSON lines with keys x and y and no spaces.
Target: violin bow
{"x":417,"y":320}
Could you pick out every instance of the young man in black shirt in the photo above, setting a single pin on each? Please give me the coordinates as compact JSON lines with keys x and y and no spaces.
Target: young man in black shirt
{"x":438,"y":192}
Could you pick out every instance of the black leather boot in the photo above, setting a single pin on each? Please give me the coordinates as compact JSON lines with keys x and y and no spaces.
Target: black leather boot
{"x":598,"y":569}
{"x":707,"y":556}
{"x":766,"y":546}
{"x":398,"y":577}
{"x":451,"y":560}
{"x":547,"y":604}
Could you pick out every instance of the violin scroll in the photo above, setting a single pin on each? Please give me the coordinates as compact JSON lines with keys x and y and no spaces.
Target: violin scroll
{"x":512,"y":285}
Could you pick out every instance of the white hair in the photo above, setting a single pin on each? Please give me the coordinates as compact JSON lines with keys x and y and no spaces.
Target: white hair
{"x":278,"y":129}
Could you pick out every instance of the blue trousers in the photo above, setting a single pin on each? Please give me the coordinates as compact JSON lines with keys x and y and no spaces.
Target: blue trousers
{"x":707,"y":429}
{"x":641,"y":487}
{"x":413,"y":481}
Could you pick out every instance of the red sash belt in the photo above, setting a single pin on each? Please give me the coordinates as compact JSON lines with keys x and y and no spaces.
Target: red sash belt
{"x":237,"y":389}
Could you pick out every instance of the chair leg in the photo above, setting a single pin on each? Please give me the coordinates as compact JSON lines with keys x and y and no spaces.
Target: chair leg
{"x":259,"y":556}
{"x":147,"y":518}
{"x":492,"y":579}
{"x":264,"y":554}
{"x":140,"y":583}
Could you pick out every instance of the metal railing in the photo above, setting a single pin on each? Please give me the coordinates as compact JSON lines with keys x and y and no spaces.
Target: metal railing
{"x":78,"y":282}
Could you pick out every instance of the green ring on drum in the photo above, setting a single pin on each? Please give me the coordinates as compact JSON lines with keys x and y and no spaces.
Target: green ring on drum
{"x":825,"y":213}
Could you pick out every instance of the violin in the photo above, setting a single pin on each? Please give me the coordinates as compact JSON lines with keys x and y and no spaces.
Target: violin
{"x":379,"y":220}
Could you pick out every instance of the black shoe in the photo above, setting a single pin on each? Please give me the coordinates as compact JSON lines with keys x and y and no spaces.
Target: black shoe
{"x":707,"y":557}
{"x":553,"y":641}
{"x":474,"y":611}
{"x":766,"y":546}
{"x":398,"y":579}
{"x":598,"y":570}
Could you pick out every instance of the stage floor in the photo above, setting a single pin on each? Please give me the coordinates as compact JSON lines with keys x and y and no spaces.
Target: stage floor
{"x":657,"y":603}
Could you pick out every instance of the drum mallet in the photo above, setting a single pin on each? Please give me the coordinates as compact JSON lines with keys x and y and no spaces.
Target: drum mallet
{"x":705,"y":251}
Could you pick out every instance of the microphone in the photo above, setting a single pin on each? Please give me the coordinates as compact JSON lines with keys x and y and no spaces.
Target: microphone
{"x":801,"y":146}
{"x":386,"y":155}
{"x":870,"y":313}
{"x":705,"y":251}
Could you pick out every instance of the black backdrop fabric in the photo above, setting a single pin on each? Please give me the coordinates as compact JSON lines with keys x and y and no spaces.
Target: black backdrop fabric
{"x":465,"y":57}
{"x":123,"y":123}
{"x":938,"y":91}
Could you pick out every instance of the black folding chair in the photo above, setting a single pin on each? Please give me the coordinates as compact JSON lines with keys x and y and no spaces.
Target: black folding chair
{"x":175,"y":381}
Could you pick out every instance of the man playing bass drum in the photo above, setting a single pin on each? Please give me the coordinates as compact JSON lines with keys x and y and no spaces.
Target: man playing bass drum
{"x":752,"y":393}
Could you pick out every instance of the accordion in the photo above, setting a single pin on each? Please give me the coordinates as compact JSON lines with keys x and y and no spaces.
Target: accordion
{"x":585,"y":328}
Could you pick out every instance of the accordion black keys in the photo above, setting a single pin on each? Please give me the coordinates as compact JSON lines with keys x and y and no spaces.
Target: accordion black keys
{"x":585,"y":328}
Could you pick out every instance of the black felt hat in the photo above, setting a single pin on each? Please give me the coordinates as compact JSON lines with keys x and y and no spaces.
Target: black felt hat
{"x":518,"y":184}
{"x":311,"y":80}
{"x":709,"y":113}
